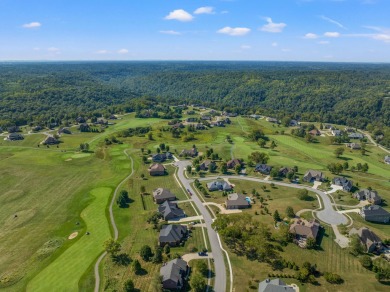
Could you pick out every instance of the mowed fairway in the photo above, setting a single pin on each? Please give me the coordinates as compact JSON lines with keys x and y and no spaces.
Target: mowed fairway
{"x":64,"y":273}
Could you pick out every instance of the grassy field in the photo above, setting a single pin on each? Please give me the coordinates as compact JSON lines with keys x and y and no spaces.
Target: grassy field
{"x":45,"y":185}
{"x":330,"y":257}
{"x":63,"y":274}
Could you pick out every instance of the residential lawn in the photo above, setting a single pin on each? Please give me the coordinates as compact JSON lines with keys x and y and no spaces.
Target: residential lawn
{"x":134,"y":231}
{"x":382,"y":230}
{"x":187,"y":208}
{"x":329,"y":258}
{"x":63,"y":274}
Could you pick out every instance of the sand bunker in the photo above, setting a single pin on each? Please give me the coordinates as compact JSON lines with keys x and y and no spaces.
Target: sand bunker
{"x":69,"y":159}
{"x":73,"y":235}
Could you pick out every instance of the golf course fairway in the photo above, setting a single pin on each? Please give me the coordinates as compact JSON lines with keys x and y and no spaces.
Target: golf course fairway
{"x":64,"y":273}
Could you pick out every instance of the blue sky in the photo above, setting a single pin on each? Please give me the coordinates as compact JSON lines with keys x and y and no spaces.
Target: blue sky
{"x":293,"y":30}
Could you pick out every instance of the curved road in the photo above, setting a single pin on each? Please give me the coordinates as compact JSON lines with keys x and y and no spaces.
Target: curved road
{"x":327,"y":214}
{"x":113,"y":224}
{"x":216,"y":249}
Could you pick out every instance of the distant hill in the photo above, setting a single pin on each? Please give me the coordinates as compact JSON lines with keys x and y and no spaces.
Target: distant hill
{"x":353,"y":94}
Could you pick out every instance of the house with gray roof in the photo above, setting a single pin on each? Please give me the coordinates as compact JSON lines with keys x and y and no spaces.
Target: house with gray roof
{"x":356,"y":136}
{"x":237,"y":201}
{"x":192,"y":152}
{"x":375,"y":213}
{"x":263,"y":168}
{"x":343,"y":182}
{"x":369,"y":239}
{"x":272,"y":120}
{"x":353,"y":146}
{"x":173,"y":274}
{"x":161,"y":195}
{"x":218,"y":185}
{"x":336,"y":132}
{"x":170,"y":210}
{"x":14,"y":137}
{"x":274,"y":285}
{"x":172,"y":234}
{"x":313,"y":175}
{"x":159,"y":157}
{"x":50,"y":140}
{"x":369,"y":195}
{"x":387,"y":159}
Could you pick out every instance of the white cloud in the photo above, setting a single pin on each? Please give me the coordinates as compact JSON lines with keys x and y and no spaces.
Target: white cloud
{"x":382,"y":37}
{"x":32,"y":25}
{"x":123,"y":51}
{"x":102,"y":52}
{"x":333,"y":21}
{"x":323,"y":42}
{"x":274,"y":44}
{"x":234,"y":31}
{"x":205,"y":10}
{"x":171,"y":32}
{"x":310,"y":36}
{"x":272,"y":26}
{"x":180,"y":15}
{"x":246,"y":47}
{"x":332,"y":34}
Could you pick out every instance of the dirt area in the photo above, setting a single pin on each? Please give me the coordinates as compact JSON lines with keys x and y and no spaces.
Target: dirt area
{"x":69,"y":159}
{"x":73,"y":235}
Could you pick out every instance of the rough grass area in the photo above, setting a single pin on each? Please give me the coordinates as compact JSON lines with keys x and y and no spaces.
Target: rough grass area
{"x":329,"y":258}
{"x":64,"y":273}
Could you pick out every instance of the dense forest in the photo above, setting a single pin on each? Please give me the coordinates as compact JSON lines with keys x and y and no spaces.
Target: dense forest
{"x":352,"y":94}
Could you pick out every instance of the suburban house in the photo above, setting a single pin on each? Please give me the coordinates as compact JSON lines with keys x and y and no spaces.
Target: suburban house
{"x":343,"y":182}
{"x":315,"y":132}
{"x":157,"y":169}
{"x":256,"y":117}
{"x":336,"y":132}
{"x":161,"y":195}
{"x":313,"y":175}
{"x":191,"y":120}
{"x":192,"y":152}
{"x":206,"y":118}
{"x":170,"y":210}
{"x":369,"y":239}
{"x":206,"y":164}
{"x":274,"y":285}
{"x":81,"y":120}
{"x":284,"y":171}
{"x":161,"y":157}
{"x":303,"y":229}
{"x":14,"y":137}
{"x":112,"y":117}
{"x":353,"y":146}
{"x":173,"y":274}
{"x":387,"y":159}
{"x":218,"y":185}
{"x":233,"y":163}
{"x":237,"y":201}
{"x":50,"y":140}
{"x":369,"y":195}
{"x":375,"y":213}
{"x":217,"y":124}
{"x":13,"y":129}
{"x":294,"y":123}
{"x":200,"y":126}
{"x":356,"y":136}
{"x":36,"y":128}
{"x":64,"y":131}
{"x":272,"y":120}
{"x":263,"y":168}
{"x":172,"y":234}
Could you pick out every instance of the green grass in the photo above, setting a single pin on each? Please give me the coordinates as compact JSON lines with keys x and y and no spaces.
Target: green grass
{"x":64,"y":273}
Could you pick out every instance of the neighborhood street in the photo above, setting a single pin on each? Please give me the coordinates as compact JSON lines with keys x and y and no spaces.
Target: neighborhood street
{"x":327,"y":214}
{"x":219,"y":263}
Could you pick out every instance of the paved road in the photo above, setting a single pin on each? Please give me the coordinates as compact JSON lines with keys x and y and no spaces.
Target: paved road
{"x":373,"y":141}
{"x":219,"y":264}
{"x":327,"y":215}
{"x":113,"y":224}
